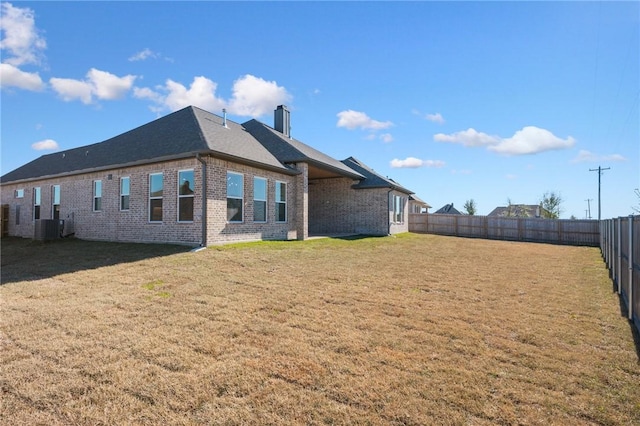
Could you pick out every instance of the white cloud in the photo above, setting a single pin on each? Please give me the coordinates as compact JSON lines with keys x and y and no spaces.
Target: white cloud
{"x":469,"y":137}
{"x":351,"y":119}
{"x":528,"y":140}
{"x":386,"y":137}
{"x":11,"y":76}
{"x":101,"y":84}
{"x":45,"y":145}
{"x":531,"y":140}
{"x":436,"y":118}
{"x":511,"y":176}
{"x":587,"y":156}
{"x":21,"y":39}
{"x":142,"y":55}
{"x":254,"y":97}
{"x":461,"y":172}
{"x":70,"y":90}
{"x":414,"y":163}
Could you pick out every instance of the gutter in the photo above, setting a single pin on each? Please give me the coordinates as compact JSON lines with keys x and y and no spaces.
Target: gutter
{"x":204,"y":200}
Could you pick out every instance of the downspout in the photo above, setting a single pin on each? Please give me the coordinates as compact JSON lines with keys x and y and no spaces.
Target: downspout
{"x":204,"y":200}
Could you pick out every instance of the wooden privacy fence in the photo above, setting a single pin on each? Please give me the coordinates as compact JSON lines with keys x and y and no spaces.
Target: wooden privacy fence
{"x":620,"y":245}
{"x":554,"y":231}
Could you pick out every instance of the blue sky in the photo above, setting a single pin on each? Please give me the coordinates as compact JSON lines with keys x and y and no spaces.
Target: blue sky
{"x":491,"y":101}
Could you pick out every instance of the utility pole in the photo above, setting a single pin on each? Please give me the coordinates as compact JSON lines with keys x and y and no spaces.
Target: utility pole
{"x":588,"y":200}
{"x":599,"y":170}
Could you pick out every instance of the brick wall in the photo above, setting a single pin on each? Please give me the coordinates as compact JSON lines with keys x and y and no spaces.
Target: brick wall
{"x":335,"y":207}
{"x":112,"y":224}
{"x":219,"y":230}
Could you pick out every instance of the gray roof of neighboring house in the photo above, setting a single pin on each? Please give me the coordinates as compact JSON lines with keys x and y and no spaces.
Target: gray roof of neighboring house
{"x":447,"y":209}
{"x":290,"y":150}
{"x":178,"y":135}
{"x":518,"y":210}
{"x":372,"y":179}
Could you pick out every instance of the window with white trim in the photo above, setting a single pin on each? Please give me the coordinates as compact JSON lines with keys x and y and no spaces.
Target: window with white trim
{"x":19,"y":193}
{"x":156,"y":188}
{"x":125,"y":192}
{"x":55,"y":202}
{"x":186,"y":183}
{"x":281,"y":201}
{"x":235,"y":196}
{"x":398,"y":209}
{"x":37,"y":194}
{"x":259,"y":199}
{"x":97,"y":195}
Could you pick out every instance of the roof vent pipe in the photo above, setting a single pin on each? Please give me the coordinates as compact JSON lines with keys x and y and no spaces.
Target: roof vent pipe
{"x":282,"y":120}
{"x":224,"y":117}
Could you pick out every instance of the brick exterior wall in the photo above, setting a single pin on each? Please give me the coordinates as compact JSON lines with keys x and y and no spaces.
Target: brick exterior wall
{"x":323,"y":206}
{"x":336,"y":208}
{"x":133,"y":225}
{"x":220,"y":231}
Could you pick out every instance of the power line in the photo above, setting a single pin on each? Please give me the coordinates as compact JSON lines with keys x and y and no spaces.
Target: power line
{"x":599,"y":170}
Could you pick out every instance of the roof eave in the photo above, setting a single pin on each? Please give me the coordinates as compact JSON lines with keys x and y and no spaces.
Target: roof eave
{"x":182,"y":156}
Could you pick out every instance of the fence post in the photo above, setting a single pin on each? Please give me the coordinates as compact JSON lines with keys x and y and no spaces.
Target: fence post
{"x":630,"y":263}
{"x":619,"y":257}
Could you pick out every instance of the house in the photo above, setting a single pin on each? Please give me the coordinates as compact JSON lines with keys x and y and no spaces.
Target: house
{"x":194,"y":177}
{"x":416,"y":205}
{"x":520,"y":210}
{"x":447,"y":209}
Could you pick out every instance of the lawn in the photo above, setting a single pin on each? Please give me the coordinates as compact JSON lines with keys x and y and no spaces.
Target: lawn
{"x":413,"y":329}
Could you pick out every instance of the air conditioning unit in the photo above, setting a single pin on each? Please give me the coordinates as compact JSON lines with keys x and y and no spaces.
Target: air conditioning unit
{"x":48,"y":229}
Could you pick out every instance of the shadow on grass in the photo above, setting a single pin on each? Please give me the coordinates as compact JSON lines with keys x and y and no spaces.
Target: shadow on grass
{"x":624,"y":312}
{"x":25,"y":260}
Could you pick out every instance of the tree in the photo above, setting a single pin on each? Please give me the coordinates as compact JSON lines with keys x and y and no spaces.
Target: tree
{"x":470,"y":207}
{"x":551,"y":202}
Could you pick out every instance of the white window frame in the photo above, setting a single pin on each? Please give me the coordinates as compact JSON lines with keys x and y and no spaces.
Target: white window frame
{"x":128,"y":194}
{"x":235,"y":198}
{"x":54,"y":189}
{"x":161,"y":198}
{"x":19,"y":193}
{"x":37,"y":202}
{"x":277,"y":202}
{"x":192,"y":195}
{"x":96,"y":196}
{"x":265,"y":200}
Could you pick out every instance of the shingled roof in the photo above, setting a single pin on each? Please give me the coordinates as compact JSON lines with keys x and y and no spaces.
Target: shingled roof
{"x":290,"y":150}
{"x":372,"y":179}
{"x":181,"y":134}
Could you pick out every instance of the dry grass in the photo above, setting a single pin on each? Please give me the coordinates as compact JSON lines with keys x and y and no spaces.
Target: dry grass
{"x":417,"y":329}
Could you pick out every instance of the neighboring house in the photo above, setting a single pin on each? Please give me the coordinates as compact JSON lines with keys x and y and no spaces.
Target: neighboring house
{"x":196,"y":178}
{"x":520,"y":210}
{"x":416,"y":205}
{"x":447,"y":209}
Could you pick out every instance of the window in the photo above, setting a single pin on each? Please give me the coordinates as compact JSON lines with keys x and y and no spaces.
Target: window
{"x":186,"y":183}
{"x":19,"y":193}
{"x":281,"y":201}
{"x":235,"y":196}
{"x":55,"y":194}
{"x":125,"y":191}
{"x":156,"y":186}
{"x":97,"y":195}
{"x":36,"y":203}
{"x":259,"y":199}
{"x":398,"y":209}
{"x":18,"y":214}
